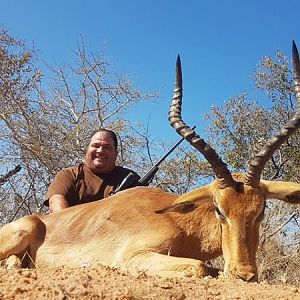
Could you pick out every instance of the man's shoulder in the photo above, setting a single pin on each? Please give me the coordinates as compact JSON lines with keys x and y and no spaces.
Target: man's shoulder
{"x":73,"y":171}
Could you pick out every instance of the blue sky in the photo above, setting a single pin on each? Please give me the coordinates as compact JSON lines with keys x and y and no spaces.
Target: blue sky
{"x":220,"y":43}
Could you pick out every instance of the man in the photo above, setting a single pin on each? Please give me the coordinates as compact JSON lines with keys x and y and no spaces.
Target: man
{"x":91,"y":181}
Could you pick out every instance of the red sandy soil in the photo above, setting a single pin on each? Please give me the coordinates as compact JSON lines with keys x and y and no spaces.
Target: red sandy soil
{"x":106,"y":283}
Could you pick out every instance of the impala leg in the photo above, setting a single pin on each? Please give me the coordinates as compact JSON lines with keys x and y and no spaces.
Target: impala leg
{"x":169,"y":266}
{"x":16,"y":238}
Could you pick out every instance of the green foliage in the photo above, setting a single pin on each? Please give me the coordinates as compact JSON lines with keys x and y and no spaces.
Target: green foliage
{"x":183,"y":172}
{"x":274,"y":76}
{"x":236,"y":128}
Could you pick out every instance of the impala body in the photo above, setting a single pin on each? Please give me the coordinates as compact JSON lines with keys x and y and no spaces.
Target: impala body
{"x":148,"y":230}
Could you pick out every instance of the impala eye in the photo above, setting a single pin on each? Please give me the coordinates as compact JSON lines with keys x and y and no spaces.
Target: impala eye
{"x":219,"y":214}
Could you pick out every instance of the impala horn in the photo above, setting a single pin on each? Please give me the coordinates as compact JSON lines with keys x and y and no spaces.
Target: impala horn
{"x":257,"y":164}
{"x":219,"y":167}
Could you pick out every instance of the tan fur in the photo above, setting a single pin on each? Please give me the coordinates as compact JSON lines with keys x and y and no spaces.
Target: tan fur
{"x":146,"y":229}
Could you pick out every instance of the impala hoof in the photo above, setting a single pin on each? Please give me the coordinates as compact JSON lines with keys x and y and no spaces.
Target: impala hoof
{"x":246,"y":276}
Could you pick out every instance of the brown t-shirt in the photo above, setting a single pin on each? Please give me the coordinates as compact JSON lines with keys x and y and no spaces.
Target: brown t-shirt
{"x":80,"y":185}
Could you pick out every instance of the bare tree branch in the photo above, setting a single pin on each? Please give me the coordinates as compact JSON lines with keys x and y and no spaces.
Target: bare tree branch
{"x":5,"y":178}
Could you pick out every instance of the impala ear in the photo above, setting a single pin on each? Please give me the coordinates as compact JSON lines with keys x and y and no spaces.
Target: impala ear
{"x":204,"y":193}
{"x":190,"y":201}
{"x":285,"y":191}
{"x":182,"y":208}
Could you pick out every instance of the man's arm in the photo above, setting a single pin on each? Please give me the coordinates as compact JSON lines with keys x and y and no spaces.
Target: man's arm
{"x":57,"y":202}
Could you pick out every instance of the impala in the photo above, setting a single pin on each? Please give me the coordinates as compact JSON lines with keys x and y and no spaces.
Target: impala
{"x":145,"y":229}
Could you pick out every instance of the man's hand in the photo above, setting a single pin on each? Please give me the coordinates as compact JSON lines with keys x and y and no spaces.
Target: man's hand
{"x":57,"y":202}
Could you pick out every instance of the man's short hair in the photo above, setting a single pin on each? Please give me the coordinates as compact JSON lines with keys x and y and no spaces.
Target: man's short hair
{"x":111,"y":133}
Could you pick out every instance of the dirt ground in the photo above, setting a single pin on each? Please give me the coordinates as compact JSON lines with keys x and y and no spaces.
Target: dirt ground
{"x":106,"y":283}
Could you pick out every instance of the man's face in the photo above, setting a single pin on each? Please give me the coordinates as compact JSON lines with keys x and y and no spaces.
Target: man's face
{"x":101,"y":153}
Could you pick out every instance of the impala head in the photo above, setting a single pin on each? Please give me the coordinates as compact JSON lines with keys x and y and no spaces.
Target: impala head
{"x":239,"y":200}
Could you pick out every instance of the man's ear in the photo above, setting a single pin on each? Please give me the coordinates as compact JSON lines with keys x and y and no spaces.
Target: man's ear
{"x":182,"y":208}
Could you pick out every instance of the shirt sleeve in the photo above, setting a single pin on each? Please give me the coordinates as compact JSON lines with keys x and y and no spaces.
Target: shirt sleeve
{"x":63,"y":184}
